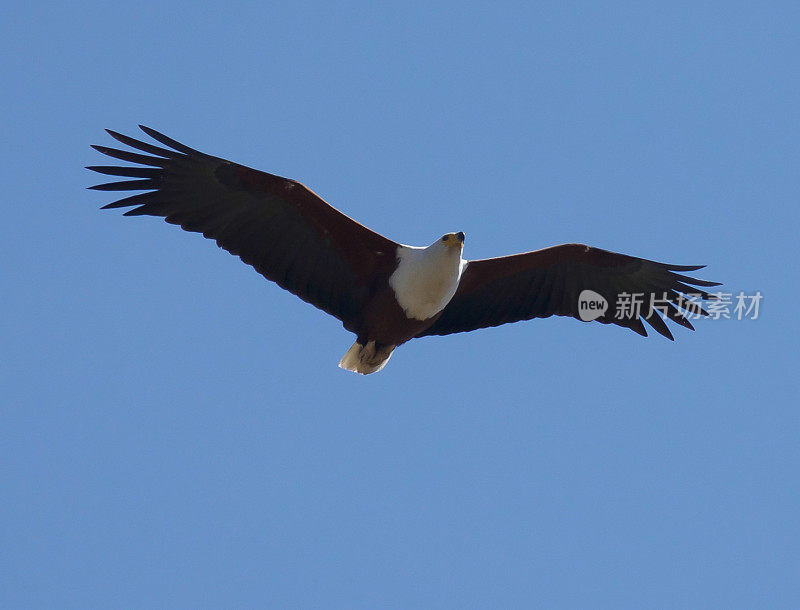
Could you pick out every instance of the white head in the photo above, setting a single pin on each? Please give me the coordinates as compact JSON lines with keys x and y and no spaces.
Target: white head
{"x":450,"y":241}
{"x":427,"y":278}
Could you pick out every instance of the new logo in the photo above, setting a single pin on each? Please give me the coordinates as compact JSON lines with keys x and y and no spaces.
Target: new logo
{"x":591,"y":305}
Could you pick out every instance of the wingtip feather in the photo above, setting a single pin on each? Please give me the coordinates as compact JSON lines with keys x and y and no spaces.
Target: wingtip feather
{"x":167,"y":141}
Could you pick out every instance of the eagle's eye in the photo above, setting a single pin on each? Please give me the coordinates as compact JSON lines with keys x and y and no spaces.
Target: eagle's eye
{"x":444,"y":238}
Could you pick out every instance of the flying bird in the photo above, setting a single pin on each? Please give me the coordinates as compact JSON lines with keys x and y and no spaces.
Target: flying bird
{"x":384,"y":292}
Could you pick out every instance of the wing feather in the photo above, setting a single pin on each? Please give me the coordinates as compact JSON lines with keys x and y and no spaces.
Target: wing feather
{"x":548,"y":282}
{"x":277,"y":225}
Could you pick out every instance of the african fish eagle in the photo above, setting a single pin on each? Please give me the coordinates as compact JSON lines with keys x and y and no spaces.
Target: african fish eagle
{"x":385,"y":292}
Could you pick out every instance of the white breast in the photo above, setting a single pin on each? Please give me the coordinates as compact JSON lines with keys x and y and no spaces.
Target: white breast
{"x":426,"y":278}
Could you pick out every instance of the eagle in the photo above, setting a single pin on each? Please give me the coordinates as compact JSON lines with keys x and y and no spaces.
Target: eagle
{"x":385,"y":292}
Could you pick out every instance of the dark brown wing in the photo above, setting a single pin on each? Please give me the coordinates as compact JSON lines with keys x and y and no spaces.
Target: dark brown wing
{"x":548,"y":282}
{"x":277,"y":225}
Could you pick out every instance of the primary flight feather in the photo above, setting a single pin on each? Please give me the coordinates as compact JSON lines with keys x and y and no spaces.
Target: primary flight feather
{"x":385,"y":292}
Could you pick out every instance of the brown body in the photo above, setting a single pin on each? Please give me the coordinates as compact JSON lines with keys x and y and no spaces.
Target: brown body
{"x":385,"y":322}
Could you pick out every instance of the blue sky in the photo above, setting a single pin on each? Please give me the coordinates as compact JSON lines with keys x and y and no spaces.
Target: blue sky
{"x":175,"y":431}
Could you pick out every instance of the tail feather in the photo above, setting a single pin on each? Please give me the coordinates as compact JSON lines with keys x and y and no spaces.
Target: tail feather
{"x":366,"y":359}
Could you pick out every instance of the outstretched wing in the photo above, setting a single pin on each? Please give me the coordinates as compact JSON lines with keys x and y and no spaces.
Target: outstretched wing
{"x":277,"y":225}
{"x":548,"y":282}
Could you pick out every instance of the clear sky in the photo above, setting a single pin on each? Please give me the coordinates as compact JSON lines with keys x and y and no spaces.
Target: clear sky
{"x":175,"y":431}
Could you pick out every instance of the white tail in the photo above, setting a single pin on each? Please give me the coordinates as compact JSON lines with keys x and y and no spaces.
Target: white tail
{"x":366,"y":359}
